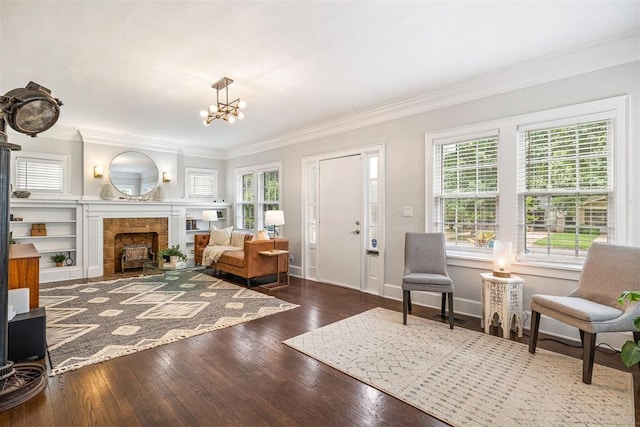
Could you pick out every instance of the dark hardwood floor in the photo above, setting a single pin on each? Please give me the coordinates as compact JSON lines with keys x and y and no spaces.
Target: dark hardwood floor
{"x":240,"y":376}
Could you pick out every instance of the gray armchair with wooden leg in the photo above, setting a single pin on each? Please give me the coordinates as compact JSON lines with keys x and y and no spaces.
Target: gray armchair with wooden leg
{"x":592,"y":307}
{"x":425,"y":269}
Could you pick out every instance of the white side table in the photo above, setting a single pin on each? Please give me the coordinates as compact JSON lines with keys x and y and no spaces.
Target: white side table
{"x":502,"y":296}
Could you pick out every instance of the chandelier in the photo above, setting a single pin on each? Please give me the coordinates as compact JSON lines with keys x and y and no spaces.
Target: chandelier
{"x":226,"y":110}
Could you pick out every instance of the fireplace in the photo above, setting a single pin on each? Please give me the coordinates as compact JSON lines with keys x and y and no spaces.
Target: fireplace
{"x":119,"y":232}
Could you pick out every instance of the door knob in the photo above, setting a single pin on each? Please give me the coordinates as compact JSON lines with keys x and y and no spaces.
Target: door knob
{"x":355,"y":232}
{"x":357,"y":222}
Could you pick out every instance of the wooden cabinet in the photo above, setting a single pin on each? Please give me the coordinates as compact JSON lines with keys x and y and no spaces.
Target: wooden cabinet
{"x":24,"y":270}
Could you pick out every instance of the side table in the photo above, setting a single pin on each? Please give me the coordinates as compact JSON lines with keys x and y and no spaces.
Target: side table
{"x":502,"y":296}
{"x":276,"y":253}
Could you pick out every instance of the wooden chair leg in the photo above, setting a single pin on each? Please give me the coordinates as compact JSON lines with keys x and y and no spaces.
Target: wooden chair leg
{"x":409,"y":300}
{"x":405,"y":306}
{"x":443,"y":305}
{"x":588,"y":354}
{"x":450,"y":296}
{"x":535,"y":325}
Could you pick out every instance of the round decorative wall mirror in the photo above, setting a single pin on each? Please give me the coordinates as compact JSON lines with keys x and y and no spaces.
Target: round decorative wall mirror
{"x":133,"y":174}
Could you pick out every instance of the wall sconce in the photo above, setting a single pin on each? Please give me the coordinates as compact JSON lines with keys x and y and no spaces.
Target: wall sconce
{"x":502,"y":259}
{"x":98,"y":171}
{"x":166,"y":177}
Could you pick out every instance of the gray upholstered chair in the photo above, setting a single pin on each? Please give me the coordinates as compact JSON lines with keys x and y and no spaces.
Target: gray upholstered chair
{"x":425,"y":269}
{"x":592,"y":307}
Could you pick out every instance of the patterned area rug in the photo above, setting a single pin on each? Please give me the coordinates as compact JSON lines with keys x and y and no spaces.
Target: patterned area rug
{"x":468,"y":378}
{"x":93,"y":322}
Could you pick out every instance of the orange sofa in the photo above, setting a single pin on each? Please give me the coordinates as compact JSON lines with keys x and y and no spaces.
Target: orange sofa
{"x":247,"y":263}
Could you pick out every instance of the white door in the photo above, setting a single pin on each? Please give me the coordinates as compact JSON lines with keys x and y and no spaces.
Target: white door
{"x":339,"y":230}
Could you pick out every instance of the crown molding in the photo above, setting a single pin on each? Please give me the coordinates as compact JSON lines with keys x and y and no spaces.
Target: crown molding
{"x":123,"y":140}
{"x":617,"y":50}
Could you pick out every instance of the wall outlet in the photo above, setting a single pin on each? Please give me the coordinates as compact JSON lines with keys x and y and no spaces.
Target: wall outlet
{"x":407,"y":211}
{"x":290,"y":258}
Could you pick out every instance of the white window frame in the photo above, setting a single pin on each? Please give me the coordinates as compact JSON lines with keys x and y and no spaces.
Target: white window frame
{"x":615,"y":107}
{"x":62,"y":160}
{"x":454,"y":137}
{"x":213,"y":173}
{"x":257,"y":171}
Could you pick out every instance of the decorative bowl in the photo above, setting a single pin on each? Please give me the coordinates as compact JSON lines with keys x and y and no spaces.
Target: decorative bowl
{"x":21,"y":194}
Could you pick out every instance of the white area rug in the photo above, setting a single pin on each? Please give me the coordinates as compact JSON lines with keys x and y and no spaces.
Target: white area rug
{"x":467,"y":378}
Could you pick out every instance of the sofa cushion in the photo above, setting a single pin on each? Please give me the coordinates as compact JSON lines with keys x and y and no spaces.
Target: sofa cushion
{"x":234,"y":258}
{"x":238,"y":238}
{"x":221,"y":236}
{"x":261,"y":235}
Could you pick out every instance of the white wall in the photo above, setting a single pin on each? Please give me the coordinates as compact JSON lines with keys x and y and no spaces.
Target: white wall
{"x":405,"y":169}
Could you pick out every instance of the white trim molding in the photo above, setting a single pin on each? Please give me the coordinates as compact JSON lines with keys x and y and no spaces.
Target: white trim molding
{"x":609,"y":52}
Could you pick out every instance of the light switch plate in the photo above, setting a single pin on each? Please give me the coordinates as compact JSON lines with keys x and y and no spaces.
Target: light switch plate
{"x":407,"y":211}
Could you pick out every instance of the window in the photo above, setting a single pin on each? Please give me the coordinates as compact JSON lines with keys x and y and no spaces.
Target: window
{"x":201,"y":183}
{"x":258,"y":191}
{"x":372,"y":202}
{"x":465,"y":190}
{"x":565,"y":188}
{"x":551,"y":182}
{"x":40,"y":172}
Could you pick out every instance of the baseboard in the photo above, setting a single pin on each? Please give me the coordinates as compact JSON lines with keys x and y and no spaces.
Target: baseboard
{"x":295,"y":271}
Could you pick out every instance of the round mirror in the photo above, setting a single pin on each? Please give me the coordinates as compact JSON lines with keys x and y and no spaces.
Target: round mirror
{"x":133,"y":174}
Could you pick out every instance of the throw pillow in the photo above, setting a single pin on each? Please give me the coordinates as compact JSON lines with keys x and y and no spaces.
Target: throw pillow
{"x":261,"y":235}
{"x":211,"y":242}
{"x":222,"y":236}
{"x":237,"y":238}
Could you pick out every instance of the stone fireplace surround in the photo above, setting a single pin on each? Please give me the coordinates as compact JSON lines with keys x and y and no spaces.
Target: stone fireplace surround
{"x":119,"y":232}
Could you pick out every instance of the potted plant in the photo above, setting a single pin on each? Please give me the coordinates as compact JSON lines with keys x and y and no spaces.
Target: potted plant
{"x":174,"y":254}
{"x":630,"y":352}
{"x":59,"y":259}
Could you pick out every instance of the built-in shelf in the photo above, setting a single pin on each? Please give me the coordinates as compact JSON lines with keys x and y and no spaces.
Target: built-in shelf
{"x":66,"y":221}
{"x":63,"y":224}
{"x":50,"y":236}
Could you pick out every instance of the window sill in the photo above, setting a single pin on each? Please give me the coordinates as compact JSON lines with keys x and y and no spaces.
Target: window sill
{"x":539,"y":269}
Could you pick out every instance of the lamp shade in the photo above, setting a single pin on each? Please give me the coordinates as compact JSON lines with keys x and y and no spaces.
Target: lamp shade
{"x":502,"y":258}
{"x":274,"y":218}
{"x":209,"y":215}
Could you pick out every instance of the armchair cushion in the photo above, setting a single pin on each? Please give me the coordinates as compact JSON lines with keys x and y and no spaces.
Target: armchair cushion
{"x":579,"y":308}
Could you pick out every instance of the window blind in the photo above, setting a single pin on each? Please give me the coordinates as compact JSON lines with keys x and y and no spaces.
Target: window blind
{"x":202,"y":184}
{"x":465,"y":191}
{"x":565,"y":189}
{"x":39,"y":175}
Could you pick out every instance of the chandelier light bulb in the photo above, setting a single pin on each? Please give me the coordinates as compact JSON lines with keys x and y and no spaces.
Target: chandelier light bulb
{"x":223,"y":109}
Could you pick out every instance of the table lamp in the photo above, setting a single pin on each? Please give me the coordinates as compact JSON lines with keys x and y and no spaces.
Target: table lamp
{"x":502,"y":259}
{"x":211,"y":216}
{"x":275,"y":218}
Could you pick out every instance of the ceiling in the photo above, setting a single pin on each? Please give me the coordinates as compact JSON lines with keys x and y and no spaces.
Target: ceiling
{"x":145,"y":68}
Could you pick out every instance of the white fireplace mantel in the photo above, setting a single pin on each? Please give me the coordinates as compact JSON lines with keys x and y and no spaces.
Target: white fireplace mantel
{"x":95,"y":211}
